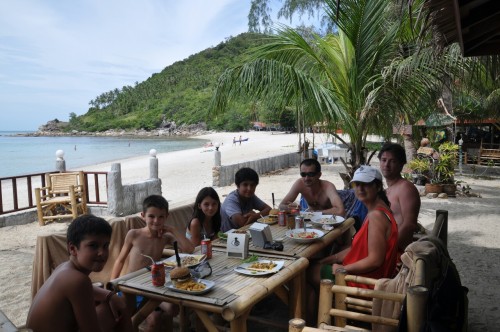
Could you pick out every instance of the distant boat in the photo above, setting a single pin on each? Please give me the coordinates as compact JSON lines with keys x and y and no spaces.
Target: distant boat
{"x":240,"y":140}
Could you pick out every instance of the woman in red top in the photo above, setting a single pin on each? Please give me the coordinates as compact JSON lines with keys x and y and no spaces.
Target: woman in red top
{"x":373,"y":252}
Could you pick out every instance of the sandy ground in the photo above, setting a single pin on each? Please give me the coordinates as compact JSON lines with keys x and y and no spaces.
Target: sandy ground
{"x":474,"y":228}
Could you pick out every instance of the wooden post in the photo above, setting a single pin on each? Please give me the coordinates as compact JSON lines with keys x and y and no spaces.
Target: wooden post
{"x":325,"y":302}
{"x":296,"y":325}
{"x":442,"y":232}
{"x":416,"y":302}
{"x":340,"y":298}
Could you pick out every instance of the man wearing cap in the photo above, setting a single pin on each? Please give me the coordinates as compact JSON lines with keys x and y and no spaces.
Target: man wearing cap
{"x":319,"y":195}
{"x":403,"y":195}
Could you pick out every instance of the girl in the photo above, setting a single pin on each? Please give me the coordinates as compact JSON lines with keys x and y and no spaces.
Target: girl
{"x":206,"y":219}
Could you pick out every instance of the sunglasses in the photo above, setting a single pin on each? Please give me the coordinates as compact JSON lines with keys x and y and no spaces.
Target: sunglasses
{"x":309,"y":174}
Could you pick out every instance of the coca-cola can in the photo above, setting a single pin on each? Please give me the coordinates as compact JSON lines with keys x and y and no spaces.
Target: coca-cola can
{"x":158,"y":274}
{"x":206,"y":248}
{"x":282,"y":218}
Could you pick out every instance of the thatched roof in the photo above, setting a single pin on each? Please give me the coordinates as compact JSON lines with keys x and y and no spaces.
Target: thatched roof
{"x":474,"y":24}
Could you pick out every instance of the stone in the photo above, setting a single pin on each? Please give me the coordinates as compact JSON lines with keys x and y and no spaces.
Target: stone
{"x":432,"y":195}
{"x":443,"y":195}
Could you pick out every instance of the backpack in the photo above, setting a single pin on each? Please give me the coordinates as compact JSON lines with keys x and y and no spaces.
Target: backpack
{"x":447,"y":304}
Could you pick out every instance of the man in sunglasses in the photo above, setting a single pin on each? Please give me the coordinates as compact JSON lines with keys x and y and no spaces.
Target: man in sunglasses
{"x":319,"y":195}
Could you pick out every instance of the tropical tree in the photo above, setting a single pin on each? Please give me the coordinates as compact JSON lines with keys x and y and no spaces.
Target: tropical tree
{"x":360,"y":79}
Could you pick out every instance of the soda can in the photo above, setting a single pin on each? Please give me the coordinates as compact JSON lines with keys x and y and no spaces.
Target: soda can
{"x":206,"y":248}
{"x":282,"y":218}
{"x":158,"y":274}
{"x":299,"y":222}
{"x":295,"y":211}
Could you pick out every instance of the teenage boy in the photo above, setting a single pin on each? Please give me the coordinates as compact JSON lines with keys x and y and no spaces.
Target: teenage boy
{"x":68,"y":301}
{"x":238,"y":207}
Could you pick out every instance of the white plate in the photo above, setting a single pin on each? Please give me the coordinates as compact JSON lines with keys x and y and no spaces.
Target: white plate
{"x":172,"y":262}
{"x":242,"y":268}
{"x":293,"y":235}
{"x":266,"y":220}
{"x":310,"y":215}
{"x":209,"y":285}
{"x":327,"y":219}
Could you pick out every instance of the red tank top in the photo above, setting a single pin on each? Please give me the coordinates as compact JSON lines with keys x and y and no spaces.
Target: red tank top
{"x":359,"y":250}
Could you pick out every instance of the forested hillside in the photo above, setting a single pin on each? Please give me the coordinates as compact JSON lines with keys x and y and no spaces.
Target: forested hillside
{"x":180,"y":93}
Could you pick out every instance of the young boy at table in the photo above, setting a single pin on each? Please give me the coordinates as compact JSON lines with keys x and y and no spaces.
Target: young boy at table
{"x":68,"y":301}
{"x":238,"y":207}
{"x":150,"y":240}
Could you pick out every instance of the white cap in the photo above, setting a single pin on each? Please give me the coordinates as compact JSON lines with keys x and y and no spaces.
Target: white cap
{"x":366,"y":174}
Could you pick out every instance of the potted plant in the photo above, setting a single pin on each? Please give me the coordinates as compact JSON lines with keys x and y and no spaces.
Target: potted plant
{"x":443,"y":169}
{"x":419,"y":170}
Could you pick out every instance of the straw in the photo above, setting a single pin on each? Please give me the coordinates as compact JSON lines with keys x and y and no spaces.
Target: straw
{"x":274,"y":206}
{"x":177,"y":257}
{"x":151,"y":258}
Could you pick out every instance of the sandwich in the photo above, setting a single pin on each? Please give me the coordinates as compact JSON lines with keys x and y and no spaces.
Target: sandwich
{"x":273,"y":214}
{"x":180,"y":274}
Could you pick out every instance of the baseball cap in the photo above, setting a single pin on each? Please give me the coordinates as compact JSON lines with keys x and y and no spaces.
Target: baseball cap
{"x":366,"y":174}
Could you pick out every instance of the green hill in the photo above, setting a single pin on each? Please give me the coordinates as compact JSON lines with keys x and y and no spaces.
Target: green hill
{"x":180,"y":93}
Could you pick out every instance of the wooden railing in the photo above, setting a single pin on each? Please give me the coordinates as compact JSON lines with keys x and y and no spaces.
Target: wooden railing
{"x":17,"y":192}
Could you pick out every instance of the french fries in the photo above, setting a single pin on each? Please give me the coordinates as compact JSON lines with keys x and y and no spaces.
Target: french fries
{"x":190,"y":285}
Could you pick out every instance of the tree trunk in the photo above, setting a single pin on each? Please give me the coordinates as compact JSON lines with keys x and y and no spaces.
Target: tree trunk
{"x":410,"y":149}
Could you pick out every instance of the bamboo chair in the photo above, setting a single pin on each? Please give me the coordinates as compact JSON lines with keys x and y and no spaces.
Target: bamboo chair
{"x":64,"y":196}
{"x":439,"y":229}
{"x":355,"y":304}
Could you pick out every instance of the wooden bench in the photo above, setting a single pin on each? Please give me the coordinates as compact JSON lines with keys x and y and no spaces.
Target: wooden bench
{"x":487,"y":156}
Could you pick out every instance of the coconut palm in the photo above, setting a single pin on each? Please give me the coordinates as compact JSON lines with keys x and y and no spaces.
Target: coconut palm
{"x":359,"y":79}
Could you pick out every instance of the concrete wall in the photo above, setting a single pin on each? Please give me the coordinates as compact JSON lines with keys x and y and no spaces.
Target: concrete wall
{"x":224,"y":175}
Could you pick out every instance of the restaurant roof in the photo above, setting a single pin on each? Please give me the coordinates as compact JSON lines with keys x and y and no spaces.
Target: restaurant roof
{"x":474,"y":24}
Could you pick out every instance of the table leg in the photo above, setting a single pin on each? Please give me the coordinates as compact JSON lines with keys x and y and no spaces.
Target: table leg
{"x":297,"y":296}
{"x":239,"y":324}
{"x":144,"y":312}
{"x":205,"y":319}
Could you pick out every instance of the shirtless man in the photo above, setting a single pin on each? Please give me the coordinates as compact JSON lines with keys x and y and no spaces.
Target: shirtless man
{"x":404,"y":197}
{"x":320,"y":195}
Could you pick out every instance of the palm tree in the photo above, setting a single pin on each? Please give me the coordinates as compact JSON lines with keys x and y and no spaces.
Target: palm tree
{"x":358,"y":79}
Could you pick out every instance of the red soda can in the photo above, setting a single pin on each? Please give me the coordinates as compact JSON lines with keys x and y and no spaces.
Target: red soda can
{"x":282,"y":218}
{"x":158,"y":274}
{"x":295,"y":211}
{"x":206,"y":248}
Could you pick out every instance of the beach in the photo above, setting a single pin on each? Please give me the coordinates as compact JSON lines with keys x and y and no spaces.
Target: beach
{"x":473,"y":239}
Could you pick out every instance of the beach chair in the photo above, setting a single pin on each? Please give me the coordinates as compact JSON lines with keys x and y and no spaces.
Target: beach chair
{"x":64,"y":196}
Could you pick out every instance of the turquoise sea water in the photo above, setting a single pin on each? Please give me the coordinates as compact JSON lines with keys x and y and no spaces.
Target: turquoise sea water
{"x":27,"y":155}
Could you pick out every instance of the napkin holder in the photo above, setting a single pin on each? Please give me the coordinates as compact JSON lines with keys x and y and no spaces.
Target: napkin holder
{"x":237,"y":245}
{"x":261,"y":233}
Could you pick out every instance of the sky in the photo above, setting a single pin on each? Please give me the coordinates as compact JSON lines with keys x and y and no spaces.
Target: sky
{"x":56,"y":56}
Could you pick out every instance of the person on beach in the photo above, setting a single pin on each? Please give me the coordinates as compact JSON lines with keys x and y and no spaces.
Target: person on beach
{"x":68,"y":301}
{"x":240,"y":139}
{"x":403,"y":195}
{"x":238,"y":207}
{"x":206,"y":217}
{"x":317,"y":194}
{"x":373,"y":252}
{"x":150,"y":240}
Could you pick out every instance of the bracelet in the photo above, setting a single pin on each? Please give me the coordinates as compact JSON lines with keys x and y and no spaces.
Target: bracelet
{"x":109,"y":296}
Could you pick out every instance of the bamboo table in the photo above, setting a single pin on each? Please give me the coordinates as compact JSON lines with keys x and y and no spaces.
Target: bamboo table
{"x":233,"y":295}
{"x":292,"y":248}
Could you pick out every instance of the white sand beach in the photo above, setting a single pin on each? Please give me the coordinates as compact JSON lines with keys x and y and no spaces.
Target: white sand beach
{"x":474,"y":230}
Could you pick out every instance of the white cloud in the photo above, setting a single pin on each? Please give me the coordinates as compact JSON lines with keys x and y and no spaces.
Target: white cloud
{"x":55,"y":56}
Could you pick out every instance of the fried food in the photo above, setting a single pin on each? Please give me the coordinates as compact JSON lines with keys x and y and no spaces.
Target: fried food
{"x":262,"y":266}
{"x":305,"y":235}
{"x":190,"y":285}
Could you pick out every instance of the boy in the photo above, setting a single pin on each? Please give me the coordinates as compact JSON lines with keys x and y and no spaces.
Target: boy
{"x":237,"y":209}
{"x":150,"y":240}
{"x":67,"y":301}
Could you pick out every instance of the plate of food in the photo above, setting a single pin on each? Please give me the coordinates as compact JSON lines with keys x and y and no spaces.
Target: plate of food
{"x":327,"y":219}
{"x":310,"y":215}
{"x":191,"y":286}
{"x":309,"y":235}
{"x":269,"y":220}
{"x":187,"y":260}
{"x":260,"y":267}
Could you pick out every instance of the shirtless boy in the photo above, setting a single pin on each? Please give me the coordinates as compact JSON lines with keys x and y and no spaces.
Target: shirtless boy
{"x":320,"y":195}
{"x":150,"y":240}
{"x":402,"y":194}
{"x":67,"y":301}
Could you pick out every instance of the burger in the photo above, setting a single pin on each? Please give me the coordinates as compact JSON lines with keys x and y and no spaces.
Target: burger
{"x":273,"y":214}
{"x":180,"y":274}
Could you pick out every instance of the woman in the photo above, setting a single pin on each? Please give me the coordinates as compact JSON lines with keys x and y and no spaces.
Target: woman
{"x":373,"y":252}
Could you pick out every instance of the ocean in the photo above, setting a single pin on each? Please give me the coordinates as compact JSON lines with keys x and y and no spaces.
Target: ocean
{"x":20,"y":155}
